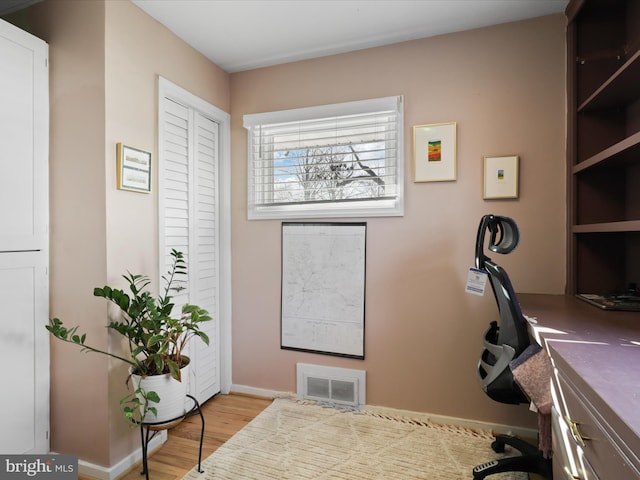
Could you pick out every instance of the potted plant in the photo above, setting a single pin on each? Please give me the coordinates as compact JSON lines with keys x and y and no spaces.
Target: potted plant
{"x":156,"y":341}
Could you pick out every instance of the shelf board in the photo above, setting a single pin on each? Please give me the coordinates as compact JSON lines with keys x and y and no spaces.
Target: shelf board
{"x":627,"y":150}
{"x":621,"y":87}
{"x":609,"y":227}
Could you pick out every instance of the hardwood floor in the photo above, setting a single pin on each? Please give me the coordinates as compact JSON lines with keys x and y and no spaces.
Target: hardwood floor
{"x":224,"y":415}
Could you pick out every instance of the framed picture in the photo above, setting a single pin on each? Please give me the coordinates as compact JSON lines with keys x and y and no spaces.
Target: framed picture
{"x":501,"y":177}
{"x":134,"y":169}
{"x":434,"y":152}
{"x":323,"y":287}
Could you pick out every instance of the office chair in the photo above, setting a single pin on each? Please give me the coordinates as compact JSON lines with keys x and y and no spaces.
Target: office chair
{"x":502,"y":344}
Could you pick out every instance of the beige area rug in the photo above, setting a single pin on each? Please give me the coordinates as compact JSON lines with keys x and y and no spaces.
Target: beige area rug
{"x":296,"y":440}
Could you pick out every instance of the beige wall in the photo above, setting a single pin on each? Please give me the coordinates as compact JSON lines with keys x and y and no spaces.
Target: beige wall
{"x":138,"y":49}
{"x":504,"y":86}
{"x":105,"y":58}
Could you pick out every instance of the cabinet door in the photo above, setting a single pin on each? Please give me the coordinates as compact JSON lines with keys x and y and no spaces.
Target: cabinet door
{"x":24,"y":140}
{"x":24,"y":405}
{"x":24,"y":244}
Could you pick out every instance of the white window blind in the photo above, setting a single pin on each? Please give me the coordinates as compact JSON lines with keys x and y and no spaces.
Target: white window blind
{"x":333,"y":160}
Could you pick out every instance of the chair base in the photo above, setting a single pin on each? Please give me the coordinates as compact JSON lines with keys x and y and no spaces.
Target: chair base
{"x":530,"y":461}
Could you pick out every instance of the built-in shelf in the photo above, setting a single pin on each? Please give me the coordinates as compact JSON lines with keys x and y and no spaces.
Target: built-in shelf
{"x":620,"y":89}
{"x":603,"y":154}
{"x":626,"y":151}
{"x":627,"y":226}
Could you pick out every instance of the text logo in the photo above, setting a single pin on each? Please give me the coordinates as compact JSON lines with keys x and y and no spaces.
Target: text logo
{"x":49,"y":467}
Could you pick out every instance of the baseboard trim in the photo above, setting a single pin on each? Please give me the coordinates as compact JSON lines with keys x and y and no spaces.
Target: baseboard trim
{"x":127,"y":463}
{"x":258,"y":392}
{"x":496,"y":428}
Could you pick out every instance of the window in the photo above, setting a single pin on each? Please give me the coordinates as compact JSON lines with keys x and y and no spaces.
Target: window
{"x":328,"y":161}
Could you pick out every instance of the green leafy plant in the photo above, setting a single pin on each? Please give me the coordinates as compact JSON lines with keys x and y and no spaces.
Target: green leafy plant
{"x":136,"y":405}
{"x":156,"y":339}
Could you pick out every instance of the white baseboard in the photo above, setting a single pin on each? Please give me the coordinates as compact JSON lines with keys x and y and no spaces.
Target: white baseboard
{"x":523,"y":432}
{"x":495,"y":428}
{"x":261,"y":392}
{"x":110,"y":473}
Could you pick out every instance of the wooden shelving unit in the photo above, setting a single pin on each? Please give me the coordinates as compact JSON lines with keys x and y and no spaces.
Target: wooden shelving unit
{"x":603,"y":145}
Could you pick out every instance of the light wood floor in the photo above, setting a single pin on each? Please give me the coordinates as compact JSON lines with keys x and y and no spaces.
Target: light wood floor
{"x":224,"y":415}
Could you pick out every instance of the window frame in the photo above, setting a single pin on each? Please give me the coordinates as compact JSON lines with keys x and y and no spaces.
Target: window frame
{"x":337,"y":209}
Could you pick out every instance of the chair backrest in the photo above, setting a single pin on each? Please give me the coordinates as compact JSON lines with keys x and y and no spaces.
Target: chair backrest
{"x":503,"y":239}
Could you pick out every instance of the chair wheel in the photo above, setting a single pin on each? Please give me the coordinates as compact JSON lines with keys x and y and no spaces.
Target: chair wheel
{"x":497,"y":446}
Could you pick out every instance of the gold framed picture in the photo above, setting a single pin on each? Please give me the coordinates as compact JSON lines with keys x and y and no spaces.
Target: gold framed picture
{"x":434,"y":152}
{"x":134,"y":169}
{"x":500,"y":177}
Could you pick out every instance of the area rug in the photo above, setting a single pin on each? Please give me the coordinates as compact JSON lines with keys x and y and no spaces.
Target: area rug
{"x":298,"y":440}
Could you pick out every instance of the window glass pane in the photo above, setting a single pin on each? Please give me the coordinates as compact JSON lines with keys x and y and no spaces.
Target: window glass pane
{"x":326,"y":161}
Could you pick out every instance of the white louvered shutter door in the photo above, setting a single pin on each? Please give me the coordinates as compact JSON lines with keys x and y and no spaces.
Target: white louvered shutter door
{"x":188,"y":222}
{"x":174,"y":192}
{"x":204,"y":271}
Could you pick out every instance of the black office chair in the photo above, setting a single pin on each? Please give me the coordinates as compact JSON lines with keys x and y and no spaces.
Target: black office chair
{"x":502,"y":344}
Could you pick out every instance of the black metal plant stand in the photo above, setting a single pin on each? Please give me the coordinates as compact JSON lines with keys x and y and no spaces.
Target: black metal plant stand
{"x":148,"y":430}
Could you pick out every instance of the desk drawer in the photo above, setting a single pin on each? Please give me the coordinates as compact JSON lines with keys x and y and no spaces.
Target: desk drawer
{"x":592,"y":437}
{"x":569,"y":462}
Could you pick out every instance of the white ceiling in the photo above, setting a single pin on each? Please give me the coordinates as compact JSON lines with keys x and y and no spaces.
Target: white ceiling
{"x":241,"y":35}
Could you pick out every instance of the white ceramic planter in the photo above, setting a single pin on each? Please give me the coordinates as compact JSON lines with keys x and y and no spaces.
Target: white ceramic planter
{"x":173,"y":394}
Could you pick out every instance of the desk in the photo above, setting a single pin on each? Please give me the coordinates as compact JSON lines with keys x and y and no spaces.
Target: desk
{"x":595,"y":387}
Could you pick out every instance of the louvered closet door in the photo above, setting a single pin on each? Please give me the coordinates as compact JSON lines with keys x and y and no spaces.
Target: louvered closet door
{"x":205,"y":271}
{"x":188,"y":198}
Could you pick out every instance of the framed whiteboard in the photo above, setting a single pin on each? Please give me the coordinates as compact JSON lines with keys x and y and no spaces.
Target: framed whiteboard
{"x":323,"y":288}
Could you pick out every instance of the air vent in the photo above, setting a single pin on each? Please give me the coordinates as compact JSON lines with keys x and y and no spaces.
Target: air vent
{"x":342,"y":386}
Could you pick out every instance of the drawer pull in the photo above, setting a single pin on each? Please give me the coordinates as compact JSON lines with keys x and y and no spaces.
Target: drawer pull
{"x":570,"y":476}
{"x":579,"y":438}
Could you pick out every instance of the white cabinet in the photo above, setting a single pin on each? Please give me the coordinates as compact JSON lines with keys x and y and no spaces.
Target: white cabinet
{"x":24,"y":405}
{"x":24,"y":241}
{"x":24,"y":140}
